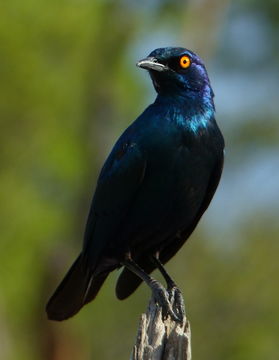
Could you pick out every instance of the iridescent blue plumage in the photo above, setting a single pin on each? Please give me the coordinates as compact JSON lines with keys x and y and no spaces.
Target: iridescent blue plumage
{"x":153,"y":188}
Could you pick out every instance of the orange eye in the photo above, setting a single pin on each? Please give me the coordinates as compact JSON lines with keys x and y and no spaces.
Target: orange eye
{"x":185,"y":61}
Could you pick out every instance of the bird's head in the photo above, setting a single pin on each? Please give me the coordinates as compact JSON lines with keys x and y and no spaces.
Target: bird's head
{"x":175,"y":70}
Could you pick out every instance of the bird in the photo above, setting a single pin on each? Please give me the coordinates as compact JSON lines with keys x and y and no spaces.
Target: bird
{"x":155,"y":185}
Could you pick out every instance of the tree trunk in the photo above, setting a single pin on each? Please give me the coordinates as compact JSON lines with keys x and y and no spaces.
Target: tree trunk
{"x":160,"y":339}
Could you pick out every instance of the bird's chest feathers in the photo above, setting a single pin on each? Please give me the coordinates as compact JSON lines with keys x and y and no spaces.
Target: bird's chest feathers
{"x":197,"y":123}
{"x":191,"y":129}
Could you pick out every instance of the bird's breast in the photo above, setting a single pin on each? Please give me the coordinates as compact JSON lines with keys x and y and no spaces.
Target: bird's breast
{"x":179,"y":163}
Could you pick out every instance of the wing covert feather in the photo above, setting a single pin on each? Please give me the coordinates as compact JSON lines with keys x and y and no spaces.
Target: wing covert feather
{"x":117,"y":186}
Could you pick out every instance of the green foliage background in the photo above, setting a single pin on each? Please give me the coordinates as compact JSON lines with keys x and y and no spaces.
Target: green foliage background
{"x":68,"y":88}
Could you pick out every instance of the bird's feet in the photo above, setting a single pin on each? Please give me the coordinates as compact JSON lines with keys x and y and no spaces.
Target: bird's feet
{"x":177,"y":302}
{"x":161,"y":296}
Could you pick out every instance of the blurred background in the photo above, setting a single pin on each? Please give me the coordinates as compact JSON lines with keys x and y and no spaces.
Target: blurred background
{"x":69,"y":87}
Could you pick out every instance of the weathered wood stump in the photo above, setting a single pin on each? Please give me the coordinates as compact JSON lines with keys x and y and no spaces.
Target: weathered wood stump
{"x":160,"y":339}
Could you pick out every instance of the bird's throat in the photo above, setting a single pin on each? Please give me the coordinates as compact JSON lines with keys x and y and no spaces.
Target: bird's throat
{"x":195,"y":112}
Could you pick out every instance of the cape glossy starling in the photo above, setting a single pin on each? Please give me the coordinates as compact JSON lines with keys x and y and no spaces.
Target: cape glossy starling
{"x":153,"y":188}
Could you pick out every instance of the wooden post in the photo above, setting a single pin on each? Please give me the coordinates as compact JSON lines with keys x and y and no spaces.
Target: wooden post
{"x":160,"y":339}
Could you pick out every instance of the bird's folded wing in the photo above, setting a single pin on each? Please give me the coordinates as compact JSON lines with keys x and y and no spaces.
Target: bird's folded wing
{"x":117,"y":187}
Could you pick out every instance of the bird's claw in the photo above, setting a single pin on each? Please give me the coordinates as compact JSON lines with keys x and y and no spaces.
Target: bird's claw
{"x":161,"y":297}
{"x":177,"y":302}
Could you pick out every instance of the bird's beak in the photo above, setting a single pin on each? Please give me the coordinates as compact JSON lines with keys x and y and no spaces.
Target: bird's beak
{"x":151,"y":63}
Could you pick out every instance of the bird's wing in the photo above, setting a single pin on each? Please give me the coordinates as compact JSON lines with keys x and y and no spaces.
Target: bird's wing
{"x":117,"y":186}
{"x":128,"y":282}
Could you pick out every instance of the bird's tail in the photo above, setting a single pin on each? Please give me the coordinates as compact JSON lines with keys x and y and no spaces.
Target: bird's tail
{"x":76,"y":289}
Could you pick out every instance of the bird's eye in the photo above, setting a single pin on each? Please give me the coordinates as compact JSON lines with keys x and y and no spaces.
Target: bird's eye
{"x":185,"y":61}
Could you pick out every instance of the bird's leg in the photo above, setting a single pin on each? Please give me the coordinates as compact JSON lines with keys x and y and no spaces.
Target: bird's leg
{"x":170,"y":282}
{"x":159,"y":292}
{"x":175,"y":294}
